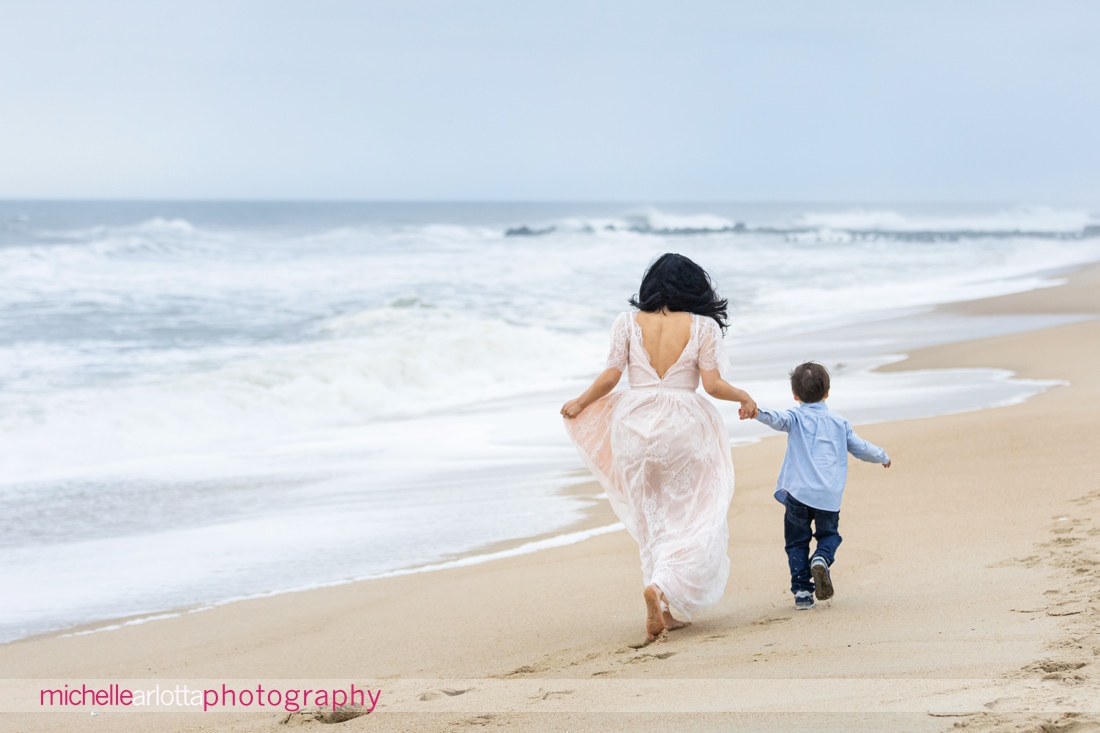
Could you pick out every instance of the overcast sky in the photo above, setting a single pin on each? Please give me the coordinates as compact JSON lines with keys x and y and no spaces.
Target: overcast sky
{"x":825,"y":100}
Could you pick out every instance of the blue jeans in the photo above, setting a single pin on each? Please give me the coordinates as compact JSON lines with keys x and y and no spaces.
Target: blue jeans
{"x":797,"y":532}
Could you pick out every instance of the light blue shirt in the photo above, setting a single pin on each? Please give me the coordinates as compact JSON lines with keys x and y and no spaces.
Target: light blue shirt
{"x":816,"y":465}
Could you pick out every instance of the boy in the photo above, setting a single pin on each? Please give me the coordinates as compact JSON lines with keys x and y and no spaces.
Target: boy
{"x":812,"y":478}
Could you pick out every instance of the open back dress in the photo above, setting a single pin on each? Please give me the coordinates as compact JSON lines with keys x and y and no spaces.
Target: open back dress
{"x":661,"y":451}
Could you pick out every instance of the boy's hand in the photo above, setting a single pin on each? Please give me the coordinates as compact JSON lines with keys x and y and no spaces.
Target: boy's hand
{"x":888,"y":463}
{"x":748,"y":410}
{"x":571,"y":409}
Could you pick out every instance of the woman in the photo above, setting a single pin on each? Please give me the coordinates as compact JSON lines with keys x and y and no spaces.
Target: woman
{"x":660,"y":449}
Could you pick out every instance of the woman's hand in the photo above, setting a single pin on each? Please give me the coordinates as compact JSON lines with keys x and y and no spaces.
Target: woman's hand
{"x":571,"y":409}
{"x":604,"y":383}
{"x":748,"y":409}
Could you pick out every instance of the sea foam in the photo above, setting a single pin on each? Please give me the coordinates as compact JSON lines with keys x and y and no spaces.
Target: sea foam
{"x":248,"y":394}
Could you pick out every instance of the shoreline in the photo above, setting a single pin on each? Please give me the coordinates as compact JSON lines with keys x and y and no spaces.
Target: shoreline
{"x":968,"y":562}
{"x":1026,"y":303}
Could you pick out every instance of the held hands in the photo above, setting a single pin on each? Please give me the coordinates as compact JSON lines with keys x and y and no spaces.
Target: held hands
{"x":571,"y":409}
{"x":748,"y":409}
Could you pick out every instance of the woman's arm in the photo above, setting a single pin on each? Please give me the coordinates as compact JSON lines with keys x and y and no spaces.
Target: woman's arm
{"x":603,"y":384}
{"x":721,"y":389}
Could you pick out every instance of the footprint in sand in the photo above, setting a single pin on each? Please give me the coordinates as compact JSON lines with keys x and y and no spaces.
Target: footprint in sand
{"x":449,"y":692}
{"x":453,"y":693}
{"x":525,"y":669}
{"x":552,"y":694}
{"x":588,"y":658}
{"x":772,"y":620}
{"x":308,"y":717}
{"x":1001,"y":702}
{"x":479,"y":720}
{"x":1028,"y":562}
{"x":1066,"y":723}
{"x":647,"y":657}
{"x":1064,"y":611}
{"x":1051,"y":669}
{"x":1072,"y":644}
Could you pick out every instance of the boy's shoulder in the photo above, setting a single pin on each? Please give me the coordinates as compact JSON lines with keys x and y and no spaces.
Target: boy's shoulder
{"x":820,"y":411}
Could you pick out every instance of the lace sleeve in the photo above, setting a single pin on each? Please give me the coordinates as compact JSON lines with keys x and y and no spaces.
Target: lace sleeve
{"x":620,"y":343}
{"x":712,"y":349}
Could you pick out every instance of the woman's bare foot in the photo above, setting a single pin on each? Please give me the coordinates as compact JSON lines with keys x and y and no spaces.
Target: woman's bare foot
{"x":654,"y":617}
{"x":671,"y":624}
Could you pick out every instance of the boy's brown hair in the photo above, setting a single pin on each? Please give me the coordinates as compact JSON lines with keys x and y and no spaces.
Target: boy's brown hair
{"x":810,"y":382}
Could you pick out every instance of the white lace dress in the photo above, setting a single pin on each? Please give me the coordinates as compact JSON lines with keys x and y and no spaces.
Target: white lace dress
{"x":661,"y":451}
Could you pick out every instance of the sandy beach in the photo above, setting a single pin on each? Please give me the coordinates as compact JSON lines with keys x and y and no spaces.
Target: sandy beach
{"x":965,"y":598}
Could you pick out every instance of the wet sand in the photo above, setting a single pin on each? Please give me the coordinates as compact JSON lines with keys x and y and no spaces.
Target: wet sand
{"x":966,"y":597}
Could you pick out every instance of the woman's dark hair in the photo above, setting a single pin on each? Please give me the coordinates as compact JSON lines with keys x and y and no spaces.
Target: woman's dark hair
{"x":678,"y":284}
{"x":810,"y":382}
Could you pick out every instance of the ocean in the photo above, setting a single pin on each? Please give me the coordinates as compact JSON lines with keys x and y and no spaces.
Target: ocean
{"x":207,"y":401}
